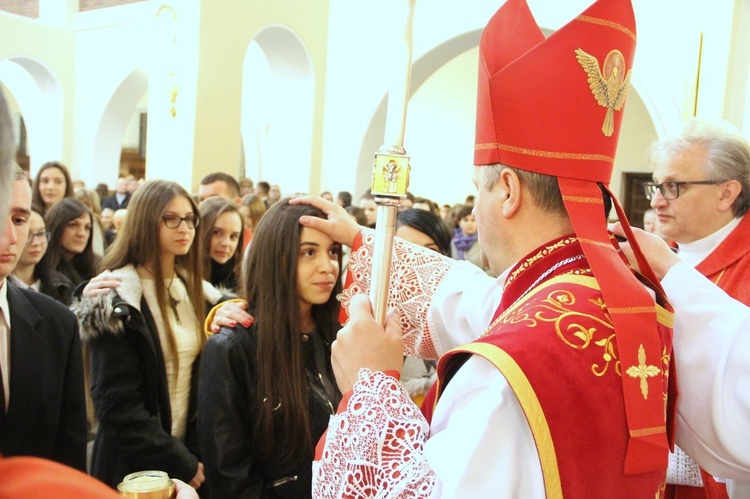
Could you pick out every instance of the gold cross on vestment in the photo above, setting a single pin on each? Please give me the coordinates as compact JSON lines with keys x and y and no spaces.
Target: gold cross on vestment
{"x":643,"y":371}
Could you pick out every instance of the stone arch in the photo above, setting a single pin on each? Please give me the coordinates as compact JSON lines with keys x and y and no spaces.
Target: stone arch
{"x":661,"y":107}
{"x":277,"y":108}
{"x":39,"y":95}
{"x":107,"y":145}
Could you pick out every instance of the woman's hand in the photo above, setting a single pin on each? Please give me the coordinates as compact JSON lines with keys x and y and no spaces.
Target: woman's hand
{"x":340,"y":226}
{"x":101,"y":284}
{"x":229,"y":314}
{"x":199,"y":477}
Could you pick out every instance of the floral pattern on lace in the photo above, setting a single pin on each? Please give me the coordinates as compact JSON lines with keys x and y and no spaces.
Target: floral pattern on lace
{"x":416,"y":273}
{"x":375,"y":448}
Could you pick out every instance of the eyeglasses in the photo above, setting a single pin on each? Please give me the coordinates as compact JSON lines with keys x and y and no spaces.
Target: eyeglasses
{"x":173,"y":221}
{"x":42,"y":235}
{"x":671,"y":190}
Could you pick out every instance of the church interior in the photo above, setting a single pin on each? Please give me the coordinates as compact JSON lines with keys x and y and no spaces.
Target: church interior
{"x":297,"y":93}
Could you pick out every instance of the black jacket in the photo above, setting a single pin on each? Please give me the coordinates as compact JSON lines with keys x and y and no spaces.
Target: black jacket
{"x":228,"y":411}
{"x":46,"y":413}
{"x":58,"y":286}
{"x":129,"y":388}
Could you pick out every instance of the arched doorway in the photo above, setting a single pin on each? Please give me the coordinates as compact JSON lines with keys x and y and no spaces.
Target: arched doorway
{"x":277,"y":109}
{"x":38,"y":94}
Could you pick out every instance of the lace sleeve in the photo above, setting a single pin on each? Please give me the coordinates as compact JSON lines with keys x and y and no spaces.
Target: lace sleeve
{"x":374,"y":448}
{"x":416,"y":273}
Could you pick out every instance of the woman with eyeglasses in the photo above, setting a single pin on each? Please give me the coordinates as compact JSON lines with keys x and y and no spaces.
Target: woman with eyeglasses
{"x":31,"y":271}
{"x":144,"y":339}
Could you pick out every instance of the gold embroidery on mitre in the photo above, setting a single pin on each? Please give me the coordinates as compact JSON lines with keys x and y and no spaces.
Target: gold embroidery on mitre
{"x":643,"y":371}
{"x":609,"y":85}
{"x":543,"y":154}
{"x":608,"y":23}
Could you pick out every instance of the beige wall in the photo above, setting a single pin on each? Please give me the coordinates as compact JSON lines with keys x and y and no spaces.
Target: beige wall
{"x":55,"y":49}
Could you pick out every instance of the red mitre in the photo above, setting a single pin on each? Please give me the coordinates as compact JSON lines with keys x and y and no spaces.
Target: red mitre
{"x":554,"y":106}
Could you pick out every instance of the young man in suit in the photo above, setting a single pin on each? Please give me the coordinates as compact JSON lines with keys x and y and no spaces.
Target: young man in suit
{"x":42,"y":408}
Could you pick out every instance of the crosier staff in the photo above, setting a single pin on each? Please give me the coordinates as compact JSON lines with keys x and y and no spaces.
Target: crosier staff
{"x":390,"y":176}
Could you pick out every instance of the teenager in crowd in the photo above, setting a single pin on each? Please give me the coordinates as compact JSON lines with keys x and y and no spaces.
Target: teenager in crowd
{"x":144,"y":339}
{"x":267,"y":390}
{"x":221,"y":242}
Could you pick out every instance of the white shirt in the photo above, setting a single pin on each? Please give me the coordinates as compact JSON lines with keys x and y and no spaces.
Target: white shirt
{"x":5,"y":341}
{"x":695,"y":252}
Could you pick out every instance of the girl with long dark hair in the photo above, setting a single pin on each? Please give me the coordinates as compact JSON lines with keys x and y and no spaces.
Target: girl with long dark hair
{"x":267,"y":391}
{"x":221,"y":242}
{"x":70,"y":250}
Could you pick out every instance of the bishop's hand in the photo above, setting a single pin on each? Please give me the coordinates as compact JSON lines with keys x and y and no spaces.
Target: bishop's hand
{"x":363,"y":343}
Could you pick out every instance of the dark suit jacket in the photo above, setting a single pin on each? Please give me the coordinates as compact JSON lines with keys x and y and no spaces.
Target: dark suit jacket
{"x":46,"y":412}
{"x":111,"y":202}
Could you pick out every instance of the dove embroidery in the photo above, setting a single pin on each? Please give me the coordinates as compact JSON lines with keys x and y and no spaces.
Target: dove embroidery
{"x":609,"y":85}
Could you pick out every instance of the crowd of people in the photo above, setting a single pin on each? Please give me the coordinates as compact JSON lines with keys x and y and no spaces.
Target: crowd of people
{"x":528,"y":351}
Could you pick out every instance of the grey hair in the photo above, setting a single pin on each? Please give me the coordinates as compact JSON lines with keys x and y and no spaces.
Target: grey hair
{"x":7,"y":148}
{"x":727,"y":155}
{"x":544,"y":189}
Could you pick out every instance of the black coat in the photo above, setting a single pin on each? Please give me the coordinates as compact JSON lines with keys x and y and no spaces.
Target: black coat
{"x":130,"y":392}
{"x":46,"y":413}
{"x":228,"y":411}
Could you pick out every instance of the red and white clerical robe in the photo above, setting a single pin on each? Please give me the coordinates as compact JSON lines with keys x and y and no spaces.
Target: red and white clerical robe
{"x":724,"y":258}
{"x":534,"y":408}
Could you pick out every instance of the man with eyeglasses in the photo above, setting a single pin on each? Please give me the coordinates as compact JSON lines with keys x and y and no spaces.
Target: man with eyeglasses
{"x":701,"y":192}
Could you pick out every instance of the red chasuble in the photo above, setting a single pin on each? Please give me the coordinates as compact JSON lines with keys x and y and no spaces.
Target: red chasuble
{"x":553,"y":340}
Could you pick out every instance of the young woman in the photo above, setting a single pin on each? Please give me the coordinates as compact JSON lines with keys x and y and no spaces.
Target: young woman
{"x":26,"y":272}
{"x":267,"y":391}
{"x":52,"y":183}
{"x":144,"y":339}
{"x":221,"y":242}
{"x":91,"y":200}
{"x":70,"y":250}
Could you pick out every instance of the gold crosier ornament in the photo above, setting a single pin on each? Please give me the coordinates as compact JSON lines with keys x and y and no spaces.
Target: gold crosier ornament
{"x":609,"y":85}
{"x":390,"y":176}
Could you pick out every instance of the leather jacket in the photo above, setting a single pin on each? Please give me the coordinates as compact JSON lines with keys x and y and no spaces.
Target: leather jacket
{"x":228,"y":411}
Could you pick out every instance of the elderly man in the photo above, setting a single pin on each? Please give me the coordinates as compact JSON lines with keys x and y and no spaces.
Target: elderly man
{"x":701,"y":193}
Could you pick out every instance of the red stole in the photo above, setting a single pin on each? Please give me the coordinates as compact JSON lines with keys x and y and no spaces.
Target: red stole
{"x":552,"y":338}
{"x":728,"y":266}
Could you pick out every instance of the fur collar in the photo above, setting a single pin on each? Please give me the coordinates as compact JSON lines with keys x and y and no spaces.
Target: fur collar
{"x":104,"y":313}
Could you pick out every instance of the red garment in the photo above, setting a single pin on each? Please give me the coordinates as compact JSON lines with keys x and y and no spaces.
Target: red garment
{"x":728,"y":266}
{"x":36,"y":478}
{"x":554,"y":342}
